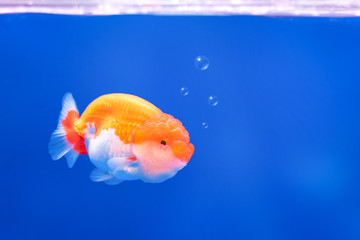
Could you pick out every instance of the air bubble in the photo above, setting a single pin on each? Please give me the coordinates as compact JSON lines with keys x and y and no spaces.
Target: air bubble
{"x":202,"y":63}
{"x":213,"y":100}
{"x":184,"y":91}
{"x":204,"y":125}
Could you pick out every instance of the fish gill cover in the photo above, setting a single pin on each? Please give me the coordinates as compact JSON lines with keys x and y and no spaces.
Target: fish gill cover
{"x":331,"y":8}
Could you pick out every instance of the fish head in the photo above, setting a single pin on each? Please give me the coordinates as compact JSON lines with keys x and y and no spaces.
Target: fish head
{"x":162,"y":147}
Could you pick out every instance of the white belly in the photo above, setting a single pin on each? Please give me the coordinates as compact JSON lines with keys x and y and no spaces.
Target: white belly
{"x":105,"y":146}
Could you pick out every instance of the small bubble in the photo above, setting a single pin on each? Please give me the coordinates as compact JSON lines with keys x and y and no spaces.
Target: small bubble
{"x":184,"y":91}
{"x":204,"y":125}
{"x":202,"y":63}
{"x":213,"y":100}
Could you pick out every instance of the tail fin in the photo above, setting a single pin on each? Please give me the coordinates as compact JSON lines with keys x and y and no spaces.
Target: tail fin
{"x":65,"y":140}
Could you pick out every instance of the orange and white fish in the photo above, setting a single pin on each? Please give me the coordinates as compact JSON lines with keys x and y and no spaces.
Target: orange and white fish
{"x":126,"y":138}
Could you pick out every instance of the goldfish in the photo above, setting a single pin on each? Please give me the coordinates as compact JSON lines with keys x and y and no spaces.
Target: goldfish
{"x":125,"y":136}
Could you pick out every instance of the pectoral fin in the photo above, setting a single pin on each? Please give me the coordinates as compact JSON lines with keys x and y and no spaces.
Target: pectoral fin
{"x":98,"y":175}
{"x":124,"y":168}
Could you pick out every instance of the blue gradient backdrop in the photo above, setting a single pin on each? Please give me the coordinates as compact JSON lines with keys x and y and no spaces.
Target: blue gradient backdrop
{"x":279,"y":160}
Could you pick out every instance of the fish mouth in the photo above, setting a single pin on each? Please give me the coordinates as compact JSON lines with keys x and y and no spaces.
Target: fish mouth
{"x":183,"y":151}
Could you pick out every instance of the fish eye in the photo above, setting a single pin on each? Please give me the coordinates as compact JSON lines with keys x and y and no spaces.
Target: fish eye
{"x":163,"y":142}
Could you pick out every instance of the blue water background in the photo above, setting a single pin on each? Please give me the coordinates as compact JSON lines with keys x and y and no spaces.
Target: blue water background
{"x":279,"y":160}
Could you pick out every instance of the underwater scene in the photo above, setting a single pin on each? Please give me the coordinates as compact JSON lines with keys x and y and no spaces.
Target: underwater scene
{"x":227,"y":127}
